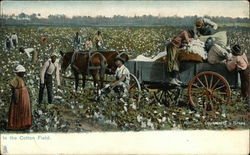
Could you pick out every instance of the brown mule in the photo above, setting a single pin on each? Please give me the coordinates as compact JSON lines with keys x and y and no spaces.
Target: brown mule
{"x":86,"y":64}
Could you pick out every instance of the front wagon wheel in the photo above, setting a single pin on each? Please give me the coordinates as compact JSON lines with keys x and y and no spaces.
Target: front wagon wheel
{"x":134,"y":88}
{"x":208,"y":90}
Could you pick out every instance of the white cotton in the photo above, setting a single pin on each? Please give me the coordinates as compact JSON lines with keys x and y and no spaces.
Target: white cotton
{"x":142,"y":58}
{"x":197,"y":47}
{"x":160,"y":55}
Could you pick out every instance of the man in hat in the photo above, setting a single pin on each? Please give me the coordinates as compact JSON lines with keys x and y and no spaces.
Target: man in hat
{"x":204,"y":27}
{"x":178,"y":42}
{"x":48,"y":69}
{"x":240,"y":62}
{"x":121,"y":84}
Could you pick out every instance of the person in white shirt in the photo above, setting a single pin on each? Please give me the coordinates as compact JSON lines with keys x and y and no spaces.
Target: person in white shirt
{"x":121,"y":84}
{"x":48,"y":69}
{"x":14,"y":39}
{"x":28,"y":52}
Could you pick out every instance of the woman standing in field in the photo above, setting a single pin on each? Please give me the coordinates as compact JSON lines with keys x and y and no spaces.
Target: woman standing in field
{"x":20,"y":116}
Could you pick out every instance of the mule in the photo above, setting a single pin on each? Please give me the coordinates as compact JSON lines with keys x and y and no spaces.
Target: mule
{"x":85,"y":63}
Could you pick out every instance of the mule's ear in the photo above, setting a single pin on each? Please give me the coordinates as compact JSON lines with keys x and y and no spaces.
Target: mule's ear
{"x":61,"y":52}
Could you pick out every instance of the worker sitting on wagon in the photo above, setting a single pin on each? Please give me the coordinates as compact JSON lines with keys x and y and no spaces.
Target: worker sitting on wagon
{"x":216,"y":53}
{"x":205,"y":27}
{"x":240,"y":62}
{"x":121,"y":84}
{"x":172,"y":54}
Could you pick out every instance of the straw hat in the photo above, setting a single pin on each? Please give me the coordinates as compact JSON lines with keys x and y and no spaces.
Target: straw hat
{"x":120,"y":58}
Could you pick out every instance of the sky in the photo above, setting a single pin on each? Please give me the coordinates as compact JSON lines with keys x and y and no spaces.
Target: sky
{"x":129,"y":8}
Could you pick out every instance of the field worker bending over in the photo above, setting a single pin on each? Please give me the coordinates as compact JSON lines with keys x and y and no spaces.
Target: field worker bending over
{"x":205,"y":27}
{"x":14,"y":39}
{"x":240,"y":62}
{"x":77,"y":41}
{"x":121,"y":84}
{"x":46,"y":77}
{"x":98,"y":40}
{"x":172,"y":54}
{"x":29,"y":51}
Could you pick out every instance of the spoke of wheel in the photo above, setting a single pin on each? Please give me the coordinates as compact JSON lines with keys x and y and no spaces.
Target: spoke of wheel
{"x":200,"y":82}
{"x":170,"y":95}
{"x":211,"y":81}
{"x":220,"y":99}
{"x":133,"y":85}
{"x":220,"y":93}
{"x":197,"y":92}
{"x":206,"y":80}
{"x":220,"y":87}
{"x":211,"y":103}
{"x":200,"y":95}
{"x":216,"y":83}
{"x":195,"y":86}
{"x":165,"y":95}
{"x":160,"y":96}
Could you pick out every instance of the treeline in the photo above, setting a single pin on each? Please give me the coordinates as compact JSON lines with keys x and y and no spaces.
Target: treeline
{"x":63,"y":20}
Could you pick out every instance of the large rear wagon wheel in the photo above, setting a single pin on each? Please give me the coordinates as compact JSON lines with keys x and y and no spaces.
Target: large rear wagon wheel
{"x":208,"y":90}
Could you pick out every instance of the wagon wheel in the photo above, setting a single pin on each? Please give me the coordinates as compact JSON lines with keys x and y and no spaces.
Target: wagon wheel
{"x":167,"y":97}
{"x":208,"y":90}
{"x":134,"y":88}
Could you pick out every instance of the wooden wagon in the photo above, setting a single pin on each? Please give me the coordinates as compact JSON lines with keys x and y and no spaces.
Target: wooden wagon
{"x":207,"y":85}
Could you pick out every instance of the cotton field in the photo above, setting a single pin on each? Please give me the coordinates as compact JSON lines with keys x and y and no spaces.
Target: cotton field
{"x":79,"y":111}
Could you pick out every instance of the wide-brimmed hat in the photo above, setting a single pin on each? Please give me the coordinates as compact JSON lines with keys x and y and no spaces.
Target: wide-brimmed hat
{"x":236,"y":50}
{"x":19,"y":69}
{"x":120,"y":58}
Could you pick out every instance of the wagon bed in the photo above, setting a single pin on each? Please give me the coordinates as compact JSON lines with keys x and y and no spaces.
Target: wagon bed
{"x":208,"y":85}
{"x":156,"y":72}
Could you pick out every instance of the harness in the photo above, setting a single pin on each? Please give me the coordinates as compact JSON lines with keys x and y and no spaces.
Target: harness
{"x":90,"y":66}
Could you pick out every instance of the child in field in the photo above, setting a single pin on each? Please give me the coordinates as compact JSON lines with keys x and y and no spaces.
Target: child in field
{"x":240,"y":62}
